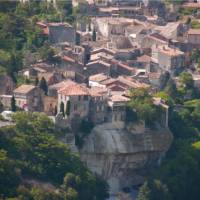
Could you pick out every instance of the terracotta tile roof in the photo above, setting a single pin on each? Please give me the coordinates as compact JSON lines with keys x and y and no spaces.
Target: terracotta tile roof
{"x":125,"y":66}
{"x":68,"y":59}
{"x":109,"y":51}
{"x":144,"y":58}
{"x":124,"y":82}
{"x":158,"y":37}
{"x":44,"y":27}
{"x":170,"y":51}
{"x":41,"y":24}
{"x":24,"y":89}
{"x":98,"y":91}
{"x":98,"y":62}
{"x":194,"y":31}
{"x":191,"y":5}
{"x":98,"y":77}
{"x":45,"y":31}
{"x":74,"y":90}
{"x":118,"y":98}
{"x":62,"y":84}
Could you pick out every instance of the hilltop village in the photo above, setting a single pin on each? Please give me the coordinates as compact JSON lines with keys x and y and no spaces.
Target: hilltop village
{"x":104,"y":72}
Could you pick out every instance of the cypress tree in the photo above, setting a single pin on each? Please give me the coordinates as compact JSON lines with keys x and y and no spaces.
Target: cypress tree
{"x":94,"y":35}
{"x":43,"y":85}
{"x":68,"y":106}
{"x":55,"y":110}
{"x":62,"y":108}
{"x":13,"y":104}
{"x":36,"y":81}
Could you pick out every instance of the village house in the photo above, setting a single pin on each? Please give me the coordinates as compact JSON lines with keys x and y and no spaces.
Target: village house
{"x":102,"y":54}
{"x":108,"y":26}
{"x":32,"y":71}
{"x":83,"y":37}
{"x":120,"y":84}
{"x":95,"y":80}
{"x":50,"y":77}
{"x":143,"y":62}
{"x":50,"y":105}
{"x":97,"y":67}
{"x":170,"y":59}
{"x":98,"y":105}
{"x":153,"y":40}
{"x":61,"y":32}
{"x":77,"y":96}
{"x":58,"y":32}
{"x":6,"y":84}
{"x":6,"y":101}
{"x":29,"y":97}
{"x":123,"y":47}
{"x":194,"y":37}
{"x":117,"y":110}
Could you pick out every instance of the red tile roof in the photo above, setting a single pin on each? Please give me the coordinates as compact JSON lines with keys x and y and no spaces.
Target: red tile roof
{"x":74,"y":90}
{"x":24,"y":89}
{"x":67,"y":58}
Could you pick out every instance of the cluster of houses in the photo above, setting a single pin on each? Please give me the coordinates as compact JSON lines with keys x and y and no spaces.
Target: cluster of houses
{"x":123,"y":46}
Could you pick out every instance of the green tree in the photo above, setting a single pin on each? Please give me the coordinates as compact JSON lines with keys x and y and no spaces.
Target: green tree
{"x":171,"y":89}
{"x":62,"y":108}
{"x":142,"y":104}
{"x":68,"y":107}
{"x":186,"y":80}
{"x":13,"y":104}
{"x":36,"y":81}
{"x":55,"y":110}
{"x":43,"y":85}
{"x":9,"y":177}
{"x":144,"y":192}
{"x":94,"y":35}
{"x":71,"y":194}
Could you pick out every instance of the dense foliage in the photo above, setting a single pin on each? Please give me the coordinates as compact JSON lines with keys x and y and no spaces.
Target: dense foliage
{"x":21,"y":41}
{"x":143,"y":107}
{"x":33,"y":161}
{"x":178,"y":177}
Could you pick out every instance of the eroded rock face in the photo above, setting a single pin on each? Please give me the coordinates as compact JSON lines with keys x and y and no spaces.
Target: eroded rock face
{"x":119,"y":155}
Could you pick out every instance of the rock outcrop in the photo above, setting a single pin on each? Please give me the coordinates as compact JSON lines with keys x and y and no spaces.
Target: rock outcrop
{"x":121,"y":155}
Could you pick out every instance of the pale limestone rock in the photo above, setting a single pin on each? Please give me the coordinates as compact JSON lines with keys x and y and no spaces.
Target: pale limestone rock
{"x":120,"y":156}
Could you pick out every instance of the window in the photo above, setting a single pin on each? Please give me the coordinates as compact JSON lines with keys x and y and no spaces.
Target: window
{"x":75,"y":107}
{"x":79,"y":98}
{"x":115,"y":117}
{"x":85,"y":98}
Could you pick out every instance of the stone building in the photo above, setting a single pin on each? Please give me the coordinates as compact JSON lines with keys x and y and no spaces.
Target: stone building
{"x":50,"y":105}
{"x":61,"y":32}
{"x":29,"y":98}
{"x":6,"y":101}
{"x":77,"y":96}
{"x":194,"y":37}
{"x":6,"y":84}
{"x":97,"y":67}
{"x":98,"y":105}
{"x":170,"y":59}
{"x":108,"y":26}
{"x":117,"y":110}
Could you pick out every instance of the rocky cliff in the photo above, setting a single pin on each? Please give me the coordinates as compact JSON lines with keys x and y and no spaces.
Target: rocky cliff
{"x":121,"y":155}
